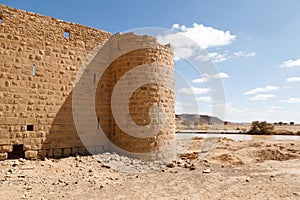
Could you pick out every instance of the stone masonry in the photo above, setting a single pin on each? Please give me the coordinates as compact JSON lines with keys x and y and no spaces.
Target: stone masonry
{"x":40,"y":58}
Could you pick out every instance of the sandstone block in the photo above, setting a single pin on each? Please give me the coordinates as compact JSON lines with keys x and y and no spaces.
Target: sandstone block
{"x":31,"y":154}
{"x":6,"y":148}
{"x":57,"y":153}
{"x":42,"y":153}
{"x":67,"y":152}
{"x":3,"y":156}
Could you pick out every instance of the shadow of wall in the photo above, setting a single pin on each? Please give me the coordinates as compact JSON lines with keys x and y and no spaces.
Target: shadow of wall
{"x":62,"y":139}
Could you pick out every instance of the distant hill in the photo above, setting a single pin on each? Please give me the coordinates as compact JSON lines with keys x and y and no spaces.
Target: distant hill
{"x":204,"y":119}
{"x":192,"y":120}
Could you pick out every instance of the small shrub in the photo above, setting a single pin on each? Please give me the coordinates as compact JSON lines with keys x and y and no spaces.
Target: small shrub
{"x":261,"y":128}
{"x":284,"y":132}
{"x":186,"y":123}
{"x":243,"y":130}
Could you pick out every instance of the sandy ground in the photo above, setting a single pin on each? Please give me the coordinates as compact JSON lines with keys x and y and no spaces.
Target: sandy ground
{"x":225,"y":170}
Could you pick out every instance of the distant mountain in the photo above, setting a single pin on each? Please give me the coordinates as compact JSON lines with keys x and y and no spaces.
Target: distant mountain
{"x":195,"y":119}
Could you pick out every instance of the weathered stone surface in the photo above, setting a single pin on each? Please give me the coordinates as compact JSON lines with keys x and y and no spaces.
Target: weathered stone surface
{"x":3,"y":156}
{"x":6,"y":148}
{"x":31,"y":154}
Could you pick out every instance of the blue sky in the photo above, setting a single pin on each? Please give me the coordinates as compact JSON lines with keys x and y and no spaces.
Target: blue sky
{"x":254,"y":46}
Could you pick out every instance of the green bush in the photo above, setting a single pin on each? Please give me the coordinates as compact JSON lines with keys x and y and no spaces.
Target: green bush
{"x":261,"y":128}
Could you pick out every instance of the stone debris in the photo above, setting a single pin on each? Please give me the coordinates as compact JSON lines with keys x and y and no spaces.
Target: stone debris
{"x":206,"y":171}
{"x":126,"y":164}
{"x":192,"y":167}
{"x":182,"y":163}
{"x":171,"y":165}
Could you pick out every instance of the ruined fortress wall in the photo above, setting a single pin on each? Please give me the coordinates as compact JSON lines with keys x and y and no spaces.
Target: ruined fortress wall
{"x":35,"y":110}
{"x":39,"y":61}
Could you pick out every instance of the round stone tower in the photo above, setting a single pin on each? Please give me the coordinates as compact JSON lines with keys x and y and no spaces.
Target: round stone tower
{"x":134,"y":98}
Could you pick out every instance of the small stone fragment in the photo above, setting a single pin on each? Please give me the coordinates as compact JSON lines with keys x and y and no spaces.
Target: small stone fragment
{"x":171,"y":165}
{"x":206,"y":171}
{"x":105,"y":166}
{"x":192,"y":167}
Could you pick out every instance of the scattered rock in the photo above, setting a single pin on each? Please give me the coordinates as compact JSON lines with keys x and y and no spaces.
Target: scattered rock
{"x":28,"y":188}
{"x":22,"y":160}
{"x":207,"y":165}
{"x":15,"y":163}
{"x":27,"y":167}
{"x":192,"y":167}
{"x":105,"y":166}
{"x":297,"y":194}
{"x":171,"y":165}
{"x":77,"y":158}
{"x":187,"y":165}
{"x":206,"y":171}
{"x":190,"y":156}
{"x":180,"y":161}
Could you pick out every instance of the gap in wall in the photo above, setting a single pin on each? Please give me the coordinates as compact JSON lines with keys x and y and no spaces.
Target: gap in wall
{"x":17,"y":152}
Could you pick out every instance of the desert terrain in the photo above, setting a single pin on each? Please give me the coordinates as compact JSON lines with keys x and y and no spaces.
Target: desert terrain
{"x":212,"y":168}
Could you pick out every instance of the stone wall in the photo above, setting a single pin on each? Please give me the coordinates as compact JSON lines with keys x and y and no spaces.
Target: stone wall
{"x":39,"y":62}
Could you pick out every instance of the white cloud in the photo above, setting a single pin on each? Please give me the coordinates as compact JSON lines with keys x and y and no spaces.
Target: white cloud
{"x":262,"y":97}
{"x":183,"y":52}
{"x":193,"y":90}
{"x":293,"y":79}
{"x":217,"y":57}
{"x":244,"y":54}
{"x":203,"y":58}
{"x":291,"y":63}
{"x":292,"y":100}
{"x":206,"y":77}
{"x":221,"y":57}
{"x":221,"y":75}
{"x":276,"y":107}
{"x":175,"y":26}
{"x":205,"y":36}
{"x":186,"y":42}
{"x":199,"y":80}
{"x":260,"y":89}
{"x":205,"y":99}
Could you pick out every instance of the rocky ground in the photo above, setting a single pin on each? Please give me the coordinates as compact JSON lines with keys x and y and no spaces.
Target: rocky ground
{"x":208,"y":169}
